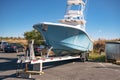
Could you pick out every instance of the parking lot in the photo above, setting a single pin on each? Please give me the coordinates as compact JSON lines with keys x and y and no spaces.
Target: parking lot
{"x":63,"y":70}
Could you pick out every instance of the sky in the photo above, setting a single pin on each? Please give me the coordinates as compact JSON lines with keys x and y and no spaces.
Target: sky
{"x":19,"y":16}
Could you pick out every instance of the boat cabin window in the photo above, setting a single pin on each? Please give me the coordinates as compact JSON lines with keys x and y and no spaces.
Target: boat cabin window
{"x":44,"y":27}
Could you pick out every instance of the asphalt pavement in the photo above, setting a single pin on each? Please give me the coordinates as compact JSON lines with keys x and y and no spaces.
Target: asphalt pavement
{"x":62,"y":70}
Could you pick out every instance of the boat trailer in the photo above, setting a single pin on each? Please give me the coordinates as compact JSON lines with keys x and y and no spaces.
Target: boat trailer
{"x":37,"y":62}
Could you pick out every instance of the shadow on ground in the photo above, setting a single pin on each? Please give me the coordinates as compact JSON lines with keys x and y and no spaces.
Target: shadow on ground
{"x":9,"y":64}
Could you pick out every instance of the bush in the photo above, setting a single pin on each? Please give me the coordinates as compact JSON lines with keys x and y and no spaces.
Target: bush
{"x":97,"y":57}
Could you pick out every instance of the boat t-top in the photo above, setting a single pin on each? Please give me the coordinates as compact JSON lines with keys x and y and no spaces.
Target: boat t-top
{"x":68,"y":36}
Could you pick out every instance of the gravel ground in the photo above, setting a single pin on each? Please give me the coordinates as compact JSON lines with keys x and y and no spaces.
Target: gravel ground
{"x":63,"y":70}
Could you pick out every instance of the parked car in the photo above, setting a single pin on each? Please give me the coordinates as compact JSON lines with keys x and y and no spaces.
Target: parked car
{"x":3,"y":44}
{"x":38,"y":49}
{"x":8,"y":48}
{"x":14,"y":47}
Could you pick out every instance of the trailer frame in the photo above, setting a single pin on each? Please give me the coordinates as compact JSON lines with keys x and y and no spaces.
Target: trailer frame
{"x":29,"y":58}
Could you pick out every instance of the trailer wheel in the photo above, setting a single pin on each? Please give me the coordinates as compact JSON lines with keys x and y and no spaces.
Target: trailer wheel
{"x":83,"y":59}
{"x":87,"y":56}
{"x":84,"y":56}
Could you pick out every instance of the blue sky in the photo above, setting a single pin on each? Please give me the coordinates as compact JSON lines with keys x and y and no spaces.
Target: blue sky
{"x":18,"y":16}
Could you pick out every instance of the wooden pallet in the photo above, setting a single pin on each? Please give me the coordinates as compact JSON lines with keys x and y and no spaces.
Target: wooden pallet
{"x":118,"y":62}
{"x":34,"y":72}
{"x":27,"y":74}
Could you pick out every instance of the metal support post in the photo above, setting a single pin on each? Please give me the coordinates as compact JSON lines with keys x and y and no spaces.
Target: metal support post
{"x":41,"y":66}
{"x":49,"y":51}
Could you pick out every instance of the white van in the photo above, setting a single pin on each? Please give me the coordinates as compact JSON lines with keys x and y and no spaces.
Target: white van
{"x":2,"y":45}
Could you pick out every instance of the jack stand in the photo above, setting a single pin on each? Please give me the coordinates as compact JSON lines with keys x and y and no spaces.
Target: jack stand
{"x":48,"y":51}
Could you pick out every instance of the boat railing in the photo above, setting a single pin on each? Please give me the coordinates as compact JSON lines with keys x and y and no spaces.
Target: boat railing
{"x":75,"y":2}
{"x":74,"y":13}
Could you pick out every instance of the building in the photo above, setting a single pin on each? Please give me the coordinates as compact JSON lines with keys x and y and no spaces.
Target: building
{"x":112,"y":50}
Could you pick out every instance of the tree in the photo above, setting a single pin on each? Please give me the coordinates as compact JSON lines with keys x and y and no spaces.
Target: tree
{"x":34,"y":34}
{"x":99,"y":45}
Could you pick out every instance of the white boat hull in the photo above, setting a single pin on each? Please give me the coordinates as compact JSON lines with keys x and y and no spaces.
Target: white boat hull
{"x":64,"y":38}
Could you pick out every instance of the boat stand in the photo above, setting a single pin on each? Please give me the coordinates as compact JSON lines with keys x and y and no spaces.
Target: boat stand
{"x":29,"y":58}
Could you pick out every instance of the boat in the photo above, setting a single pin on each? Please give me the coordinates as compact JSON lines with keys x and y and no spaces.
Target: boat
{"x":69,"y":35}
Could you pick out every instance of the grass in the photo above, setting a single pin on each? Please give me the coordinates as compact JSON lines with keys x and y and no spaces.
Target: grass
{"x":97,"y":57}
{"x":21,"y":41}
